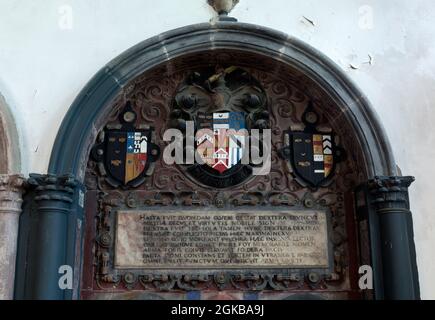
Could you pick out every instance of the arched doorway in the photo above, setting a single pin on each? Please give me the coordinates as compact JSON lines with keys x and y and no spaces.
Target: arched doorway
{"x":301,"y":95}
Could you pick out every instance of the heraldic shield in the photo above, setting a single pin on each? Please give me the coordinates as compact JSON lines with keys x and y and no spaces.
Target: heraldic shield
{"x":126,"y":152}
{"x":222,"y":147}
{"x":224,"y":104}
{"x":312,"y":156}
{"x":312,"y":153}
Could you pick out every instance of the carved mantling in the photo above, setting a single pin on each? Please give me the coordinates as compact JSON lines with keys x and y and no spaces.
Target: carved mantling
{"x":390,"y":193}
{"x":11,"y":191}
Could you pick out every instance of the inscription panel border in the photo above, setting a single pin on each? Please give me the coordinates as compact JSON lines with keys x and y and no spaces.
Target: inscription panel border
{"x":247,"y":267}
{"x":188,"y":279}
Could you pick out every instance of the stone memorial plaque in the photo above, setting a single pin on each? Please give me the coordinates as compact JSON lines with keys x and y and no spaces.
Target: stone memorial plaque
{"x":216,"y":239}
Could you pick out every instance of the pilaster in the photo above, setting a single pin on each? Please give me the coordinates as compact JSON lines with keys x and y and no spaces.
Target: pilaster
{"x":389,"y":197}
{"x":11,"y":191}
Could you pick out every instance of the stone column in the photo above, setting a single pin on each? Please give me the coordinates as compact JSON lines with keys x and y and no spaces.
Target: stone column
{"x":54,"y":197}
{"x":389,"y":196}
{"x":11,"y":190}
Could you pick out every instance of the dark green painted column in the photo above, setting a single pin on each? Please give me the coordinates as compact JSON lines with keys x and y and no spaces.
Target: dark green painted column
{"x":389,"y":197}
{"x":54,"y":204}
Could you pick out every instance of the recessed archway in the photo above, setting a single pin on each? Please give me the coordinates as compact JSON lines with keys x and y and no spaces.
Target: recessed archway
{"x":87,"y":115}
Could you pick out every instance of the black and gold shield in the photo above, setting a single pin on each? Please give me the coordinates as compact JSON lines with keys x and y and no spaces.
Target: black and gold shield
{"x":127,"y":154}
{"x":312,"y":156}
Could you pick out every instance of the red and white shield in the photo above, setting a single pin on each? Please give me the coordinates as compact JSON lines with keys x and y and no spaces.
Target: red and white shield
{"x":221,"y":147}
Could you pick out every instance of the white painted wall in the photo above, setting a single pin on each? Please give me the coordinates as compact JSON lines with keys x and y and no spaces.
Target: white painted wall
{"x":44,"y":65}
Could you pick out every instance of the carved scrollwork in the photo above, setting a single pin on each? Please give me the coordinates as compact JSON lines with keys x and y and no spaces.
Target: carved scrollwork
{"x":161,"y":199}
{"x":251,"y":282}
{"x":247,"y":199}
{"x":162,"y":282}
{"x":283,"y":199}
{"x":195,"y":282}
{"x":281,"y":282}
{"x":273,"y":97}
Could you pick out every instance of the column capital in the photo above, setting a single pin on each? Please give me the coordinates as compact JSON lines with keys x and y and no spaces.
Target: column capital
{"x":390,"y":193}
{"x":52,"y":187}
{"x":11,"y":182}
{"x":391,"y":181}
{"x":11,"y":190}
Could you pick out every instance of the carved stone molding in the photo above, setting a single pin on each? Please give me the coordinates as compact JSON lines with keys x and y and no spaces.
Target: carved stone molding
{"x":390,"y":193}
{"x":54,"y":189}
{"x":10,"y":157}
{"x":11,"y":190}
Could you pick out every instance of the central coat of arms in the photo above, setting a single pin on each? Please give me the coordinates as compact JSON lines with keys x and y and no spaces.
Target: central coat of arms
{"x":224,"y":104}
{"x":222,"y":147}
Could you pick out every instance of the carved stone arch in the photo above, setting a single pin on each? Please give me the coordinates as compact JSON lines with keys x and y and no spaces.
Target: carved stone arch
{"x":107,"y":83}
{"x":383,"y":195}
{"x":11,"y":184}
{"x":10,"y":156}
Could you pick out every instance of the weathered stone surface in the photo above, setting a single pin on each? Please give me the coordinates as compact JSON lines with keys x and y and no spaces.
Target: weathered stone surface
{"x":10,"y":159}
{"x":10,"y":208}
{"x":221,"y":239}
